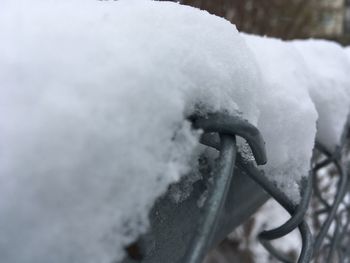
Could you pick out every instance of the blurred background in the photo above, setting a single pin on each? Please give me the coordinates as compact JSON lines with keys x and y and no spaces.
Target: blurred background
{"x":286,"y":19}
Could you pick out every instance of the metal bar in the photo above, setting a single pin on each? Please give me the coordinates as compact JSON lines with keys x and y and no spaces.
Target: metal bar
{"x":225,"y":124}
{"x":206,"y":232}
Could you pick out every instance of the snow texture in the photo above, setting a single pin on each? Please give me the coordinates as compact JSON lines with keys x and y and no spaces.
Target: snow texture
{"x":329,"y":69}
{"x":94,"y":100}
{"x":93,"y":107}
{"x":287,"y":115}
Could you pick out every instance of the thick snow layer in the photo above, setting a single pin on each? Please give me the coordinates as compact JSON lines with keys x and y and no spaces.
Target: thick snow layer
{"x":94,"y":98}
{"x":329,"y":70}
{"x":287,"y":115}
{"x":347,"y":52}
{"x":93,"y":103}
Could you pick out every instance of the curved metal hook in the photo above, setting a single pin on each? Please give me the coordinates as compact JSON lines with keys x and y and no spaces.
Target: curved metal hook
{"x":297,"y":217}
{"x":284,"y":201}
{"x":225,"y":124}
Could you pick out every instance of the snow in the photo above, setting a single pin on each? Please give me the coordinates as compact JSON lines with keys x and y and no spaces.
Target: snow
{"x":93,"y":107}
{"x":330,"y":90}
{"x":298,"y":78}
{"x":287,"y":115}
{"x":94,"y":100}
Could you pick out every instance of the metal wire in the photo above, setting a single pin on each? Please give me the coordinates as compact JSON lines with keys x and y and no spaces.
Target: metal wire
{"x":281,"y":198}
{"x":215,"y":202}
{"x":337,"y":245}
{"x":232,"y":125}
{"x":338,"y":241}
{"x":220,"y":124}
{"x":328,"y":245}
{"x":331,"y":219}
{"x":227,"y":128}
{"x":296,"y":219}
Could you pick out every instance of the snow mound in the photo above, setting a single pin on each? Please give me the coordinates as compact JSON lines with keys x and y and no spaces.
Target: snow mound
{"x":287,"y":115}
{"x":330,"y":87}
{"x":94,"y":100}
{"x":94,"y":97}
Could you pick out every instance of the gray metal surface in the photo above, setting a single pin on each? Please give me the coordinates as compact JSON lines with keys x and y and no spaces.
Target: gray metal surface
{"x":184,"y":232}
{"x":173,"y":225}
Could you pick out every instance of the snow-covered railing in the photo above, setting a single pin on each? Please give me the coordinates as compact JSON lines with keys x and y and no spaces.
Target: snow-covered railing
{"x":103,"y":109}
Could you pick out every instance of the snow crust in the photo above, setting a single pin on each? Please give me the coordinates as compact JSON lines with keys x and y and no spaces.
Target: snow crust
{"x":93,"y":106}
{"x":287,"y":114}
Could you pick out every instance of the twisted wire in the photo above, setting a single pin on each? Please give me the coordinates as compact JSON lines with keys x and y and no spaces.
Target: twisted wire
{"x":227,"y":128}
{"x":214,"y":126}
{"x":219,"y":129}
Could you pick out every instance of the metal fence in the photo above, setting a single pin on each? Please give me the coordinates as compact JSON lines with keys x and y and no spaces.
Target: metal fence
{"x":184,"y":232}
